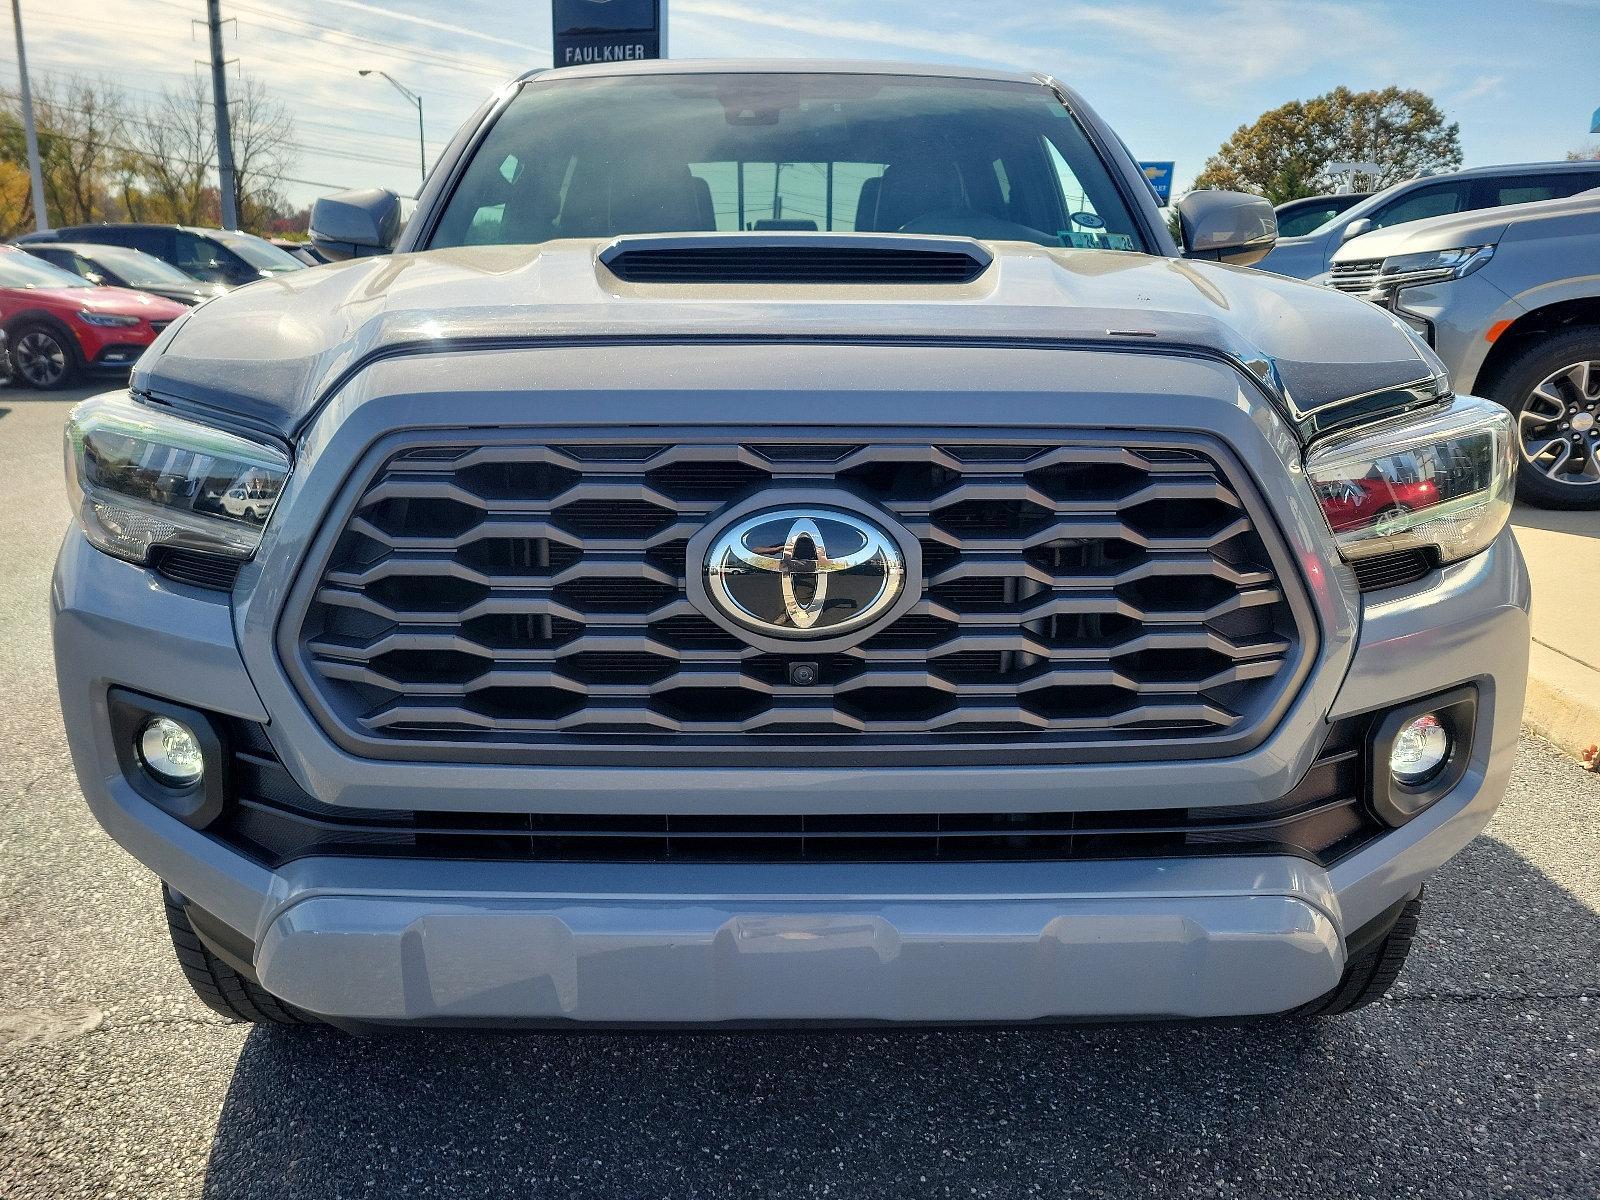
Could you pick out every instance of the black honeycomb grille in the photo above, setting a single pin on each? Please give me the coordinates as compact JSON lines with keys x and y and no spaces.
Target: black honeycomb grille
{"x":517,"y":594}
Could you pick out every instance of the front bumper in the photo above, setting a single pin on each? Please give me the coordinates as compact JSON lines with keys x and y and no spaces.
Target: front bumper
{"x":741,"y":943}
{"x":438,"y":941}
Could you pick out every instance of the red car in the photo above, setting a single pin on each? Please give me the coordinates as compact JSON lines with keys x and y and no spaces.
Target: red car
{"x":59,"y":327}
{"x":1351,"y":503}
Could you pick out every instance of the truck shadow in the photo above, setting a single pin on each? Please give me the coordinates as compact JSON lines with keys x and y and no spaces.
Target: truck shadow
{"x":1250,"y":1108}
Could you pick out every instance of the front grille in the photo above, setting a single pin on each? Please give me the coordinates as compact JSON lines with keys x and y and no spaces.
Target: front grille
{"x":158,"y":326}
{"x":502,"y":593}
{"x":1358,"y":275}
{"x":271,"y":820}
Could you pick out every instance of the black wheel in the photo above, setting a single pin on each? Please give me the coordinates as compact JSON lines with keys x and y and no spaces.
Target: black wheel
{"x":43,"y":357}
{"x":1553,"y":388}
{"x":1372,"y":968}
{"x":219,"y":987}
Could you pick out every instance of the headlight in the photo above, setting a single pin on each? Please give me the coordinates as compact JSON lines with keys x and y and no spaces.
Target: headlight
{"x":1441,"y":482}
{"x":1432,"y":266}
{"x":107,"y":319}
{"x":140,"y":478}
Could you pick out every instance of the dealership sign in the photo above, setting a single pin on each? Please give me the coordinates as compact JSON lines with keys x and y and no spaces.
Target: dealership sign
{"x":602,"y":31}
{"x":1159,"y":175}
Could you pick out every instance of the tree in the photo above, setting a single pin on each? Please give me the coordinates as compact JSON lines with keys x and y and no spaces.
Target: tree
{"x":175,"y":156}
{"x":1283,"y":154}
{"x":174,"y":146}
{"x":81,"y":130}
{"x":263,"y":152}
{"x":1584,"y":153}
{"x":16,"y":205}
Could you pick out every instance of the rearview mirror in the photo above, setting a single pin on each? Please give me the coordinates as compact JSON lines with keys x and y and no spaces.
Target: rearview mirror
{"x":1230,"y":227}
{"x":1355,"y":229}
{"x":356,"y":224}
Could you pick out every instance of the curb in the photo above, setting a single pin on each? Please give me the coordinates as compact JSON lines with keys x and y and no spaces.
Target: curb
{"x":1563,"y":704}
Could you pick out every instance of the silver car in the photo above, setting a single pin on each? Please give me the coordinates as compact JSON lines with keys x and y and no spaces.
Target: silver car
{"x":1307,"y":257}
{"x":786,"y":543}
{"x":1510,"y":300}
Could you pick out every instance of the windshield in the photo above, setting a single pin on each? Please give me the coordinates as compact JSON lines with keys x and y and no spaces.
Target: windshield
{"x":263,"y":256}
{"x":22,"y":270}
{"x":595,"y":158}
{"x":136,"y":268}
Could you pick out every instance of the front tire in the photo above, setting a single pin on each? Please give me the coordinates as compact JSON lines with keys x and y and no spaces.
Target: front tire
{"x":1552,"y":388}
{"x":1371,"y":969}
{"x":43,"y":357}
{"x":218,"y":986}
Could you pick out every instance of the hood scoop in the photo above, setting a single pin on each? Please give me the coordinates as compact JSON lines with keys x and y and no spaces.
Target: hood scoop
{"x":795,"y":258}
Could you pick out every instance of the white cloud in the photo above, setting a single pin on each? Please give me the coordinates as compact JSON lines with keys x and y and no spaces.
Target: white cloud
{"x":1484,"y":85}
{"x":393,"y":14}
{"x":916,"y":33}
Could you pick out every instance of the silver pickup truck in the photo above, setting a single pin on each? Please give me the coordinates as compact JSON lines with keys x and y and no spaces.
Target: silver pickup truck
{"x":789,"y":543}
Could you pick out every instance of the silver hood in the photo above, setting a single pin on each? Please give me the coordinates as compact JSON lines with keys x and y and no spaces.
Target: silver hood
{"x":268,"y":355}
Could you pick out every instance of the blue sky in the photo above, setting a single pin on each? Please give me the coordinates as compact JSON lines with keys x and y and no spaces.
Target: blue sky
{"x":1175,"y":77}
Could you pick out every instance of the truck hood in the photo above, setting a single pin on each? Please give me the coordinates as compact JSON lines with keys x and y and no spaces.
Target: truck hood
{"x":1483,"y":227}
{"x":268,"y":355}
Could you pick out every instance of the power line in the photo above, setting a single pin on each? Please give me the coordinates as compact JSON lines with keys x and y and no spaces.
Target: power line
{"x":422,"y":56}
{"x":334,"y":151}
{"x":190,"y":162}
{"x":59,"y":71}
{"x":426,"y":58}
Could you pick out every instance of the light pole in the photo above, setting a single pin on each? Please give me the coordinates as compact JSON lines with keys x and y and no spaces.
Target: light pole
{"x":422,"y":148}
{"x":41,"y":217}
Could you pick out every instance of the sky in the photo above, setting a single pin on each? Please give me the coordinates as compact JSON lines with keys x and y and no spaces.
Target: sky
{"x":1174,"y":77}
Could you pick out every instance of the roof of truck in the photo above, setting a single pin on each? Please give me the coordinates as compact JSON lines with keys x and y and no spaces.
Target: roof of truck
{"x":780,"y":66}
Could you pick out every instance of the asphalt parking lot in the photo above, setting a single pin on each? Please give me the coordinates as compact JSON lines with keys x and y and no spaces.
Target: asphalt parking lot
{"x":1480,"y":1076}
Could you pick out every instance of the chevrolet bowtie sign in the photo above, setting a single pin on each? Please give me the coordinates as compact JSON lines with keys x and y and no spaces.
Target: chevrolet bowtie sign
{"x":601,"y":31}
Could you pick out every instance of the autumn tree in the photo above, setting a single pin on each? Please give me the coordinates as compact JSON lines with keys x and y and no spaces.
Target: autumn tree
{"x":16,"y":206}
{"x":174,"y":147}
{"x":263,"y":152}
{"x":169,"y":173}
{"x":82,"y":126}
{"x":1284,"y":153}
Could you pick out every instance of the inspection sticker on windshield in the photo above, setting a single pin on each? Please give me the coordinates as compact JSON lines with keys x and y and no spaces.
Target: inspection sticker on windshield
{"x":1096,"y":241}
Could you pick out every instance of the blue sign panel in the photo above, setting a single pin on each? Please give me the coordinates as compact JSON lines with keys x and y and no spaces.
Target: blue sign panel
{"x":593,"y":31}
{"x":1594,"y":122}
{"x":1159,"y":176}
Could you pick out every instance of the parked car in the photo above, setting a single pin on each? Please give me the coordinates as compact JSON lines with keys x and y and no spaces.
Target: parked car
{"x":1510,"y":300}
{"x":1297,"y":217}
{"x":655,"y":616}
{"x":1310,"y":255}
{"x":118,"y":266}
{"x":220,"y":256}
{"x":1353,"y":503}
{"x":59,"y":326}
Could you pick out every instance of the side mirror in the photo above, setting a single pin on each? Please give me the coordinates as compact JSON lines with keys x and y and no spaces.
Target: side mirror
{"x":96,"y":278}
{"x":1355,"y":229}
{"x":1230,"y":227}
{"x":356,"y":224}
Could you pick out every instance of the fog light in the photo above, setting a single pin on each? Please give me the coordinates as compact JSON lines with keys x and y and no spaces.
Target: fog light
{"x":171,"y":753}
{"x":1420,"y":750}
